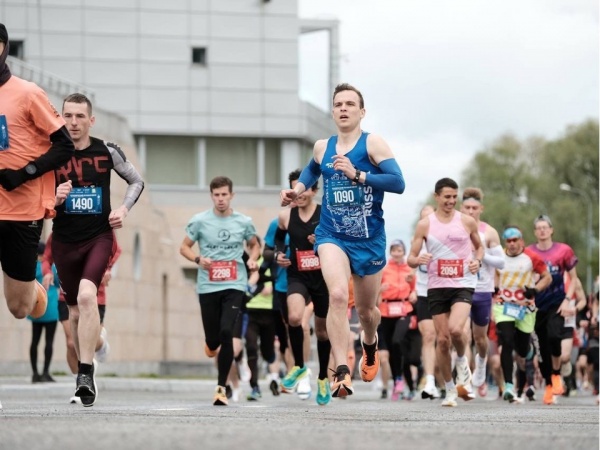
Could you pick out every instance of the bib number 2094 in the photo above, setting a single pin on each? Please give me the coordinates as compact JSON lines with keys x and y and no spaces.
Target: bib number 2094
{"x":450,"y":268}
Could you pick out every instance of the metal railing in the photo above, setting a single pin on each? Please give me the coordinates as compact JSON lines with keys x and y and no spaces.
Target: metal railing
{"x":47,"y":81}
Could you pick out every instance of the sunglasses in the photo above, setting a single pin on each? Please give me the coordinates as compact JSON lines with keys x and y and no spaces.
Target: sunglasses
{"x":511,"y":240}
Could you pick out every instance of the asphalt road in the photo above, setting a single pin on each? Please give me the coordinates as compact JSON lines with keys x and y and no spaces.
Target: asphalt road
{"x":148,"y":414}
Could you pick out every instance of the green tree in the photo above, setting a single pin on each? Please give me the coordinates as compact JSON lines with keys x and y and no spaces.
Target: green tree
{"x":521,"y":180}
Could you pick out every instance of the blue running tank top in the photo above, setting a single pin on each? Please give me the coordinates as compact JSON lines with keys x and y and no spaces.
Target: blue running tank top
{"x":350,"y":211}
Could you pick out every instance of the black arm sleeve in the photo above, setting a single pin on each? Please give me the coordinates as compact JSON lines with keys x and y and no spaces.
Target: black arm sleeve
{"x":280,"y":239}
{"x":59,"y":153}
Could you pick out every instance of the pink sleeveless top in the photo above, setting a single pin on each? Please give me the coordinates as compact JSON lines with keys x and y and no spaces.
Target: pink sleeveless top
{"x":451,"y":247}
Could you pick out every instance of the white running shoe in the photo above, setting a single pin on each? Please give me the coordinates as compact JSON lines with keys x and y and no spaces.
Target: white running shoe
{"x":463,"y":382}
{"x":102,"y":353}
{"x":244,"y":370}
{"x":463,"y":374}
{"x":430,"y":392}
{"x":75,"y":400}
{"x":450,"y":399}
{"x":235,"y":395}
{"x":479,"y":375}
{"x":519,"y":400}
{"x":304,"y":390}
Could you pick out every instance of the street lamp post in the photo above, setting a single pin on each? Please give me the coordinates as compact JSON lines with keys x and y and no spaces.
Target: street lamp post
{"x":588,"y":272}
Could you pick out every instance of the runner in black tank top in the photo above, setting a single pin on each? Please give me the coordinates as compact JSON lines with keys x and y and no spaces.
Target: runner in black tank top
{"x":303,"y":265}
{"x":305,"y":283}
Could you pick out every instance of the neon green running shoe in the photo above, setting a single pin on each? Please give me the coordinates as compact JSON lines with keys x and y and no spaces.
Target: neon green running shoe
{"x":291,"y":380}
{"x":323,"y":392}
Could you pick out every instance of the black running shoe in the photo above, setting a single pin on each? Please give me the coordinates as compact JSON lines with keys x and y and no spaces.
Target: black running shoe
{"x":274,"y":386}
{"x":228,"y":391}
{"x":87,"y":390}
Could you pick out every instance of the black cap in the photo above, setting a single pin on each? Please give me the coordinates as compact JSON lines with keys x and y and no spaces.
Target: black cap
{"x":3,"y":33}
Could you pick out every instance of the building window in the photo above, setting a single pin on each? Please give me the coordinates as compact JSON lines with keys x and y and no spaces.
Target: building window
{"x":199,"y":55}
{"x":17,"y":49}
{"x":272,"y":162}
{"x":171,"y":160}
{"x":235,"y":158}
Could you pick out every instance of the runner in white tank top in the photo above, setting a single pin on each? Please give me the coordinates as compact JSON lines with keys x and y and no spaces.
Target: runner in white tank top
{"x":451,"y":239}
{"x":425,"y":324}
{"x":482,"y":298}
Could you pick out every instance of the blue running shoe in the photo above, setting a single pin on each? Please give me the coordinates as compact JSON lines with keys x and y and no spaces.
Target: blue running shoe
{"x":291,"y":380}
{"x":254,"y":395}
{"x":509,"y":392}
{"x":323,"y":392}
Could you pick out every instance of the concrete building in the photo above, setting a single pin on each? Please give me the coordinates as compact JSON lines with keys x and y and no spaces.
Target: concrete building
{"x":192,"y":89}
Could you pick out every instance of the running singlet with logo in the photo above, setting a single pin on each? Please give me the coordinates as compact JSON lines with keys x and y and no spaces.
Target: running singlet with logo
{"x":485,"y":276}
{"x":558,"y":258}
{"x":451,"y":247}
{"x":517,"y":273}
{"x":350,"y":211}
{"x":84,"y":214}
{"x":302,"y":254}
{"x":222,"y":240}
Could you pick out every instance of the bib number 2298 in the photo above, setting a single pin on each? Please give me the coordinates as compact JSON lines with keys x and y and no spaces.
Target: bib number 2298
{"x":223,"y":271}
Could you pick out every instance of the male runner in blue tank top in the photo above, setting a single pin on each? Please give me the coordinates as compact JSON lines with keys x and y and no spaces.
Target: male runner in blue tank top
{"x":357,"y":168}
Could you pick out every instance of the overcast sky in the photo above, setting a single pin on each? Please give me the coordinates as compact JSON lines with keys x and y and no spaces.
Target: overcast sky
{"x":441,"y":79}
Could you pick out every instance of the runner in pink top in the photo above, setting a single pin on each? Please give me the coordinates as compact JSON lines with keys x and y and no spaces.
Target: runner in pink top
{"x":451,"y":239}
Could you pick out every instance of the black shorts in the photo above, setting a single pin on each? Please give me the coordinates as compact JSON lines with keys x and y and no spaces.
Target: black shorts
{"x":81,"y":260}
{"x":18,"y":248}
{"x":63,"y":311}
{"x":567,"y":333}
{"x":315,"y":291}
{"x":442,"y":299}
{"x":241,"y":323}
{"x":422,"y":307}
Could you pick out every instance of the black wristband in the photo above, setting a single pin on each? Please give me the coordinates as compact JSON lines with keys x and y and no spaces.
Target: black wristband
{"x":197,"y":260}
{"x":357,"y":176}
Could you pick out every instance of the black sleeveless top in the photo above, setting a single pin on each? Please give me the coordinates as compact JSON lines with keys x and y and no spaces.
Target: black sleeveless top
{"x":299,"y":231}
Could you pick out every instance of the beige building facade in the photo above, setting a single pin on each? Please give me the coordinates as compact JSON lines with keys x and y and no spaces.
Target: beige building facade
{"x":190,"y":90}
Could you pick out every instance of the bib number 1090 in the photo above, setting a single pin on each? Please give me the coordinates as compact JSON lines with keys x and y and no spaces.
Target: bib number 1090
{"x":343,"y":196}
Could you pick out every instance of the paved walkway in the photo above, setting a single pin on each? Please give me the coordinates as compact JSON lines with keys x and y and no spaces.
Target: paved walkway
{"x":169,"y":414}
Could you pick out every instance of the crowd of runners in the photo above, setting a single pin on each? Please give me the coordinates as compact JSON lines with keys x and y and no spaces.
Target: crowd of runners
{"x":460,"y":306}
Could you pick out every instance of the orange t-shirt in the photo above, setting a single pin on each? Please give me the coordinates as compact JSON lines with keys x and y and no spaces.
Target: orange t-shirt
{"x":394,"y":276}
{"x":31,"y":119}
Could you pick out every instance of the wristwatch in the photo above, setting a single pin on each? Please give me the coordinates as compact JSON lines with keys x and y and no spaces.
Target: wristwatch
{"x":31,"y":169}
{"x":197,"y":260}
{"x":480,"y":262}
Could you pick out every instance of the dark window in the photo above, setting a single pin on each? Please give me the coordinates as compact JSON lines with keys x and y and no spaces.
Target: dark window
{"x":199,"y":55}
{"x":16,"y":49}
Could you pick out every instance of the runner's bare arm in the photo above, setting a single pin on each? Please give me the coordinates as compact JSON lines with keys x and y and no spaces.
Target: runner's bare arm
{"x":414,"y":259}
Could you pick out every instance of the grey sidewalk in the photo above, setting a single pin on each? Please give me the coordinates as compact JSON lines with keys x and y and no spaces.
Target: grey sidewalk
{"x":154,"y":414}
